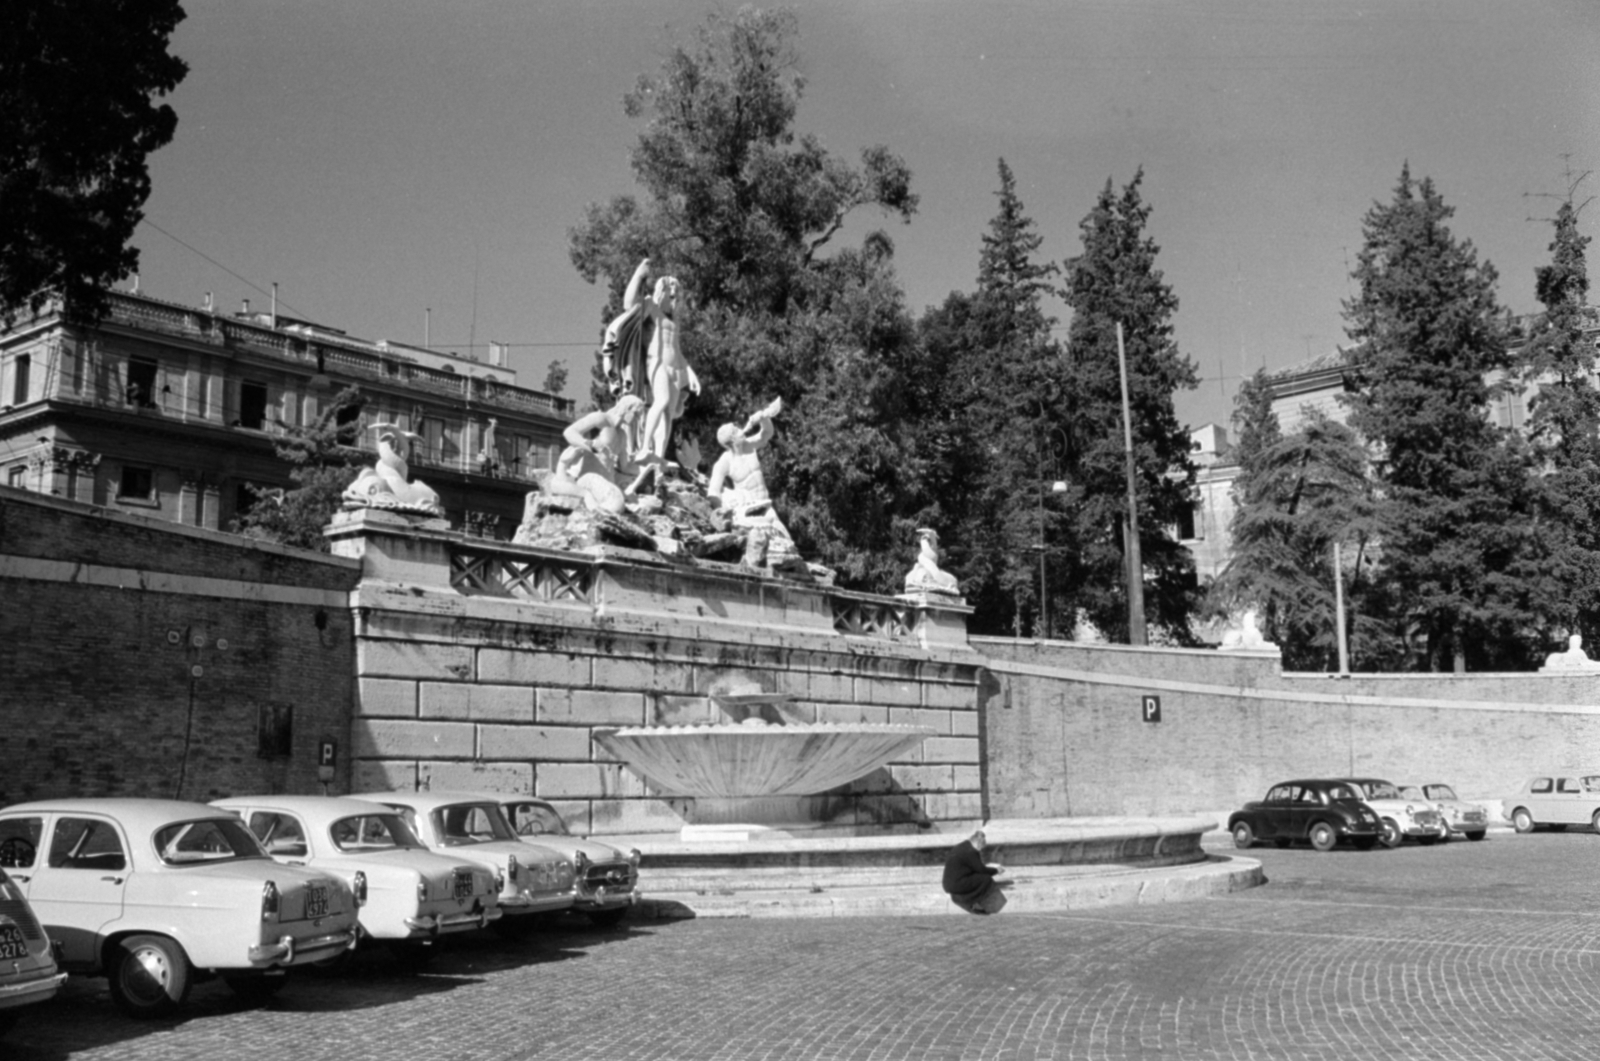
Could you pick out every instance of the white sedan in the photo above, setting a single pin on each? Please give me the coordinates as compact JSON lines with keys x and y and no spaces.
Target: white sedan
{"x":413,"y":895}
{"x":607,"y":880}
{"x":466,"y":825}
{"x":153,"y":894}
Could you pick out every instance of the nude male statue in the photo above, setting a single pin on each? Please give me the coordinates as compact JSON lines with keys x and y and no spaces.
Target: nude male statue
{"x":746,"y":497}
{"x":651,"y":320}
{"x":594,"y":460}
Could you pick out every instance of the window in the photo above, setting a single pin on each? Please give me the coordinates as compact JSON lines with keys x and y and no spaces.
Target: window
{"x":141,"y":383}
{"x":19,"y":379}
{"x":19,"y":842}
{"x":84,"y":843}
{"x":280,"y":834}
{"x":244,"y":499}
{"x":137,"y":484}
{"x":1541,"y":784}
{"x":1188,"y":524}
{"x":17,"y":476}
{"x":253,"y":405}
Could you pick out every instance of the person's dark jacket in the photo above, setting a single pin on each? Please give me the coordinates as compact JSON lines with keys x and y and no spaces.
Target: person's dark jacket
{"x":966,"y":878}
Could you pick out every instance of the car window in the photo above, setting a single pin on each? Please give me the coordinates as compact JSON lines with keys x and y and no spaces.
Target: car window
{"x":1411,"y":792}
{"x":1439,"y":792}
{"x":210,"y":840}
{"x":19,"y":842}
{"x":280,"y":834}
{"x":1568,"y":784}
{"x":372,"y":832}
{"x":471,"y":823}
{"x":1341,"y":792}
{"x":534,"y":819}
{"x":1279,"y":794}
{"x":1307,"y":794}
{"x":86,"y":843}
{"x":1539,"y":784}
{"x":1381,"y":790}
{"x":1591,"y":782}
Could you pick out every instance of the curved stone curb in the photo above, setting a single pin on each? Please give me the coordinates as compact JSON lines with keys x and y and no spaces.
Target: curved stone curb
{"x":1033,"y":890}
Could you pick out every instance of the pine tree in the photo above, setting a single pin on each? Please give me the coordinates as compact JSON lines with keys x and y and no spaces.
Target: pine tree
{"x":1428,"y":335}
{"x":1558,"y":361}
{"x":1008,"y":395}
{"x":1115,"y":280}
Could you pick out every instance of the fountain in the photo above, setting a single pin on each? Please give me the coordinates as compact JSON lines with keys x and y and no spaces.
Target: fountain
{"x":756,"y":774}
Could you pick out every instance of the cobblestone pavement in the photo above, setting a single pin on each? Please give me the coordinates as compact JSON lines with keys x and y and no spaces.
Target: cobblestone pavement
{"x":1461,"y":951}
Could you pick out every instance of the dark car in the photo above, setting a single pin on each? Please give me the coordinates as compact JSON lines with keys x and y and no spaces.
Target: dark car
{"x":1322,"y":812}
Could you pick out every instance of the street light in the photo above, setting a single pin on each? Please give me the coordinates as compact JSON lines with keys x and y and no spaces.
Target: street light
{"x":1057,"y":487}
{"x":1136,"y":631}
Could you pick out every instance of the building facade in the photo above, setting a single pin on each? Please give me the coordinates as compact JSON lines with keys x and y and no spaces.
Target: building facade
{"x":172,"y":411}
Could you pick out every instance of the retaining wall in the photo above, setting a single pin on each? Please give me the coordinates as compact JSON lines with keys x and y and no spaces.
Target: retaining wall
{"x":1067,"y":733}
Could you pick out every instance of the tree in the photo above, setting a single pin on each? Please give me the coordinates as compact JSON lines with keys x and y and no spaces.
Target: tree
{"x":740,"y":209}
{"x":1296,"y":496}
{"x":1115,"y":280}
{"x":555,"y":378}
{"x":1007,"y":394}
{"x":77,"y":122}
{"x":1558,"y":362}
{"x":1428,"y":336}
{"x":323,"y":459}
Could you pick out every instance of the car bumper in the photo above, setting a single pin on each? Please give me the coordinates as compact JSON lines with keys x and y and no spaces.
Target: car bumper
{"x":1462,"y":828}
{"x":604,"y":898}
{"x":517,"y":905}
{"x":428,"y":926}
{"x":23,"y":992}
{"x":288,"y":950}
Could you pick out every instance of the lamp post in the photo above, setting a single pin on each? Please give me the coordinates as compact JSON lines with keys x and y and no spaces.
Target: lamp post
{"x":1057,"y":487}
{"x":1136,"y":633}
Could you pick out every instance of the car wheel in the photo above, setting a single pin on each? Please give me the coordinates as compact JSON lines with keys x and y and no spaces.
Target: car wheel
{"x":1391,"y":836}
{"x":1595,"y":821}
{"x":149,"y":976}
{"x":1323,"y":837}
{"x":1522,"y":820}
{"x":1365,"y":843}
{"x":1243,"y":835}
{"x":613,"y":917}
{"x":255,"y":988}
{"x":1478,"y":835}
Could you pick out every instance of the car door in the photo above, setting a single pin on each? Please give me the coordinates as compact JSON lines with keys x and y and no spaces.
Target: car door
{"x":76,"y":888}
{"x":1567,"y":803}
{"x":1274,"y":818}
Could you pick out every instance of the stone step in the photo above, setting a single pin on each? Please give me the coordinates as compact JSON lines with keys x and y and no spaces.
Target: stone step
{"x":916,"y":893}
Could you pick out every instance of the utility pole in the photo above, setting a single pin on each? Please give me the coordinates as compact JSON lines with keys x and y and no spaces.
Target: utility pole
{"x":1338,"y":612}
{"x":1136,"y":632}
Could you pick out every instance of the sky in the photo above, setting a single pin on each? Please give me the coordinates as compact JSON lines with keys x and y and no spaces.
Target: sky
{"x":410,"y":169}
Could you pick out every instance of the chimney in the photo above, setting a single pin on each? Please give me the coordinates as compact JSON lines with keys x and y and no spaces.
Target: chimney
{"x":498,"y":354}
{"x":244,"y":307}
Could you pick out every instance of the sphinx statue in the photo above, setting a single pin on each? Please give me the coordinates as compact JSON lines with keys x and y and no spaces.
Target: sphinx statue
{"x":926,"y":576}
{"x":1248,"y":637}
{"x":387,"y":484}
{"x":1573,"y":659}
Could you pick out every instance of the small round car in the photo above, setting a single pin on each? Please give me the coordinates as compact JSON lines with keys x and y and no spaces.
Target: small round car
{"x":1319,"y":811}
{"x":414,"y":896}
{"x":1555,"y":801}
{"x":533,"y":878}
{"x":1402,"y":819}
{"x":1461,"y":818}
{"x":606,"y":879}
{"x":156,"y":894}
{"x":28,"y":972}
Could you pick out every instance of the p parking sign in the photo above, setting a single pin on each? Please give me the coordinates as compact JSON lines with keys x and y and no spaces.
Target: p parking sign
{"x":1150,"y":708}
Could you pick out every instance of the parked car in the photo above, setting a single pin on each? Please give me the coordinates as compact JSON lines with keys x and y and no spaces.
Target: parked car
{"x":534,"y":879}
{"x":413,"y":895}
{"x":1555,"y":801}
{"x":1320,"y":811}
{"x":28,"y":972}
{"x":1461,"y":818}
{"x":606,"y":879}
{"x":1402,"y":819}
{"x":154,"y":894}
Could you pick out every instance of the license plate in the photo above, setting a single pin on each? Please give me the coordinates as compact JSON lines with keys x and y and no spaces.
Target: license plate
{"x":12,"y":943}
{"x":316,"y":901}
{"x":463,"y":885}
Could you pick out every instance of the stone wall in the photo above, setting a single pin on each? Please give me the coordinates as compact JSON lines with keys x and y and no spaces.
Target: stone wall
{"x":484,"y":666}
{"x":142,"y":658}
{"x":1066,"y":732}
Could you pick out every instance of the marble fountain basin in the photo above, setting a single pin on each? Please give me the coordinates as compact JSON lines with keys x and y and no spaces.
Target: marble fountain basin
{"x":755,"y":758}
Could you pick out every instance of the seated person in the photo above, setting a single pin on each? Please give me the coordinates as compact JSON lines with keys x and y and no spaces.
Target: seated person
{"x":969,"y":881}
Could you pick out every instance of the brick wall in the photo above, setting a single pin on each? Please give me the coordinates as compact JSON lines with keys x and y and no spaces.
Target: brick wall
{"x":142,"y":658}
{"x":1066,"y":733}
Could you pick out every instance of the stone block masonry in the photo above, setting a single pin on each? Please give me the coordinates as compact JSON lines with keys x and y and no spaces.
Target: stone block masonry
{"x":491,"y":667}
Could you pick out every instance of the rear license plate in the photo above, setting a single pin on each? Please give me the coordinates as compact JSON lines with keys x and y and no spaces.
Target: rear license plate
{"x":12,"y":944}
{"x":316,"y":901}
{"x":463,"y":885}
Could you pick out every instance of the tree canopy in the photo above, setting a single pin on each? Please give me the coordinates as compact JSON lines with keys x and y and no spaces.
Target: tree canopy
{"x":1429,"y":337}
{"x":323,"y":458}
{"x":78,"y":80}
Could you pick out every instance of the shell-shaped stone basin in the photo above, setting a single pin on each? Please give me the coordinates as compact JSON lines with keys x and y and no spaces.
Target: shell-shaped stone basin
{"x":753,"y":758}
